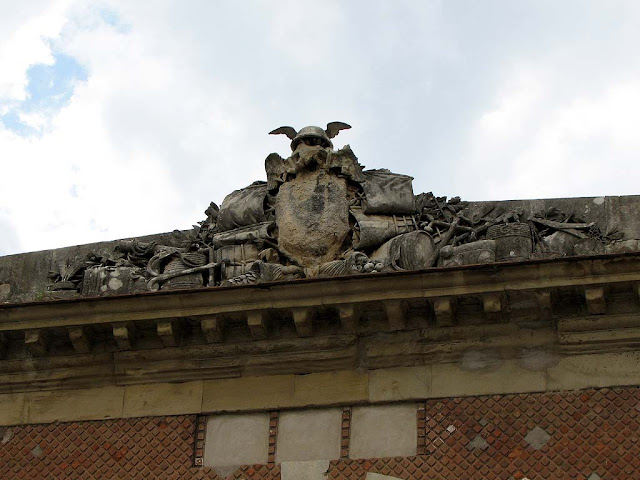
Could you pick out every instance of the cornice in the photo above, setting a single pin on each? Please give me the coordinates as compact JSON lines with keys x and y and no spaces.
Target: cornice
{"x":577,"y":305}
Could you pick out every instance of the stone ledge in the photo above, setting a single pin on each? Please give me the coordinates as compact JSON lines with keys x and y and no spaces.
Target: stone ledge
{"x":435,"y":283}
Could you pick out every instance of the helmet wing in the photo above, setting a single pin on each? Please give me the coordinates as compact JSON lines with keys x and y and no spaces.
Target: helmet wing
{"x":288,"y":131}
{"x":334,"y":128}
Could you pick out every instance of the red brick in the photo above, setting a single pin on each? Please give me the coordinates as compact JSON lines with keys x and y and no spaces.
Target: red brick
{"x":591,"y":431}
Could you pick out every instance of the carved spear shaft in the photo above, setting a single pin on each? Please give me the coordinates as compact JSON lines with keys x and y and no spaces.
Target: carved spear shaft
{"x":168,"y":276}
{"x":443,"y":241}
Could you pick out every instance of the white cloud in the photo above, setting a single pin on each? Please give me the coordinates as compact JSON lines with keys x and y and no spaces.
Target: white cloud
{"x":26,"y":28}
{"x":518,"y":102}
{"x":140,"y":135}
{"x":302,"y":33}
{"x":584,"y":145}
{"x":34,"y":120}
{"x":179,"y":98}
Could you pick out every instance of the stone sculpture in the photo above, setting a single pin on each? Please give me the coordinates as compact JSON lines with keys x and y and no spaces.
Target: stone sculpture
{"x":319,"y":214}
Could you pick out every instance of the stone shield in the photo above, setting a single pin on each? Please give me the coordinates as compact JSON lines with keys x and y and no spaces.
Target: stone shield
{"x":312,"y":215}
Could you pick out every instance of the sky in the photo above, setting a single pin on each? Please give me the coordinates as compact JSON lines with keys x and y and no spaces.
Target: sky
{"x":120,"y":118}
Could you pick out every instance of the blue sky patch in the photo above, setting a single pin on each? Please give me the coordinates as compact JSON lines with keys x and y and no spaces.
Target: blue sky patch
{"x":49,"y":89}
{"x":111,"y":18}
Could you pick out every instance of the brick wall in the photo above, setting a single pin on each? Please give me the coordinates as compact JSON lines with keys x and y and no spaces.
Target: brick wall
{"x":588,"y":434}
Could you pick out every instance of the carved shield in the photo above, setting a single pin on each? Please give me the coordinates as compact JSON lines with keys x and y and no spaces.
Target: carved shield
{"x":312,"y":215}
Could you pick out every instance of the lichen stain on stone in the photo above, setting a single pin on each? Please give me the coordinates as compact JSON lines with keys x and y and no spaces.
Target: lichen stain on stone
{"x":5,"y":291}
{"x":538,"y":358}
{"x":481,"y":360}
{"x":115,"y":284}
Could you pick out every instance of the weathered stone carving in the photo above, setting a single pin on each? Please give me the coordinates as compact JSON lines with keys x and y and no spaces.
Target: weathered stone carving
{"x":319,"y":214}
{"x":513,"y":241}
{"x":408,"y":251}
{"x":101,"y":280}
{"x":561,"y":234}
{"x":370,"y":231}
{"x":387,"y":193}
{"x":312,"y":215}
{"x":243,"y":207}
{"x":67,"y":274}
{"x":481,"y":251}
{"x":175,"y":268}
{"x":123,"y":271}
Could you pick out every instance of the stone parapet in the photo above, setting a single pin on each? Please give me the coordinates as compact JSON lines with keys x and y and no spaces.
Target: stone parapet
{"x":26,"y":277}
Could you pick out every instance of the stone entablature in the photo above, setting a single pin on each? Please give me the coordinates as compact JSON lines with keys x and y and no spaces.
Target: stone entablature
{"x":531,"y":316}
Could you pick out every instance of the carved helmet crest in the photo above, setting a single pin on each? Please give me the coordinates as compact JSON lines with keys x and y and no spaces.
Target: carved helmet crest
{"x":312,"y":132}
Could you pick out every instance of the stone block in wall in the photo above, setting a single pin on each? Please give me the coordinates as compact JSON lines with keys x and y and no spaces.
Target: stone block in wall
{"x":310,"y":470}
{"x":333,"y":387}
{"x":234,"y":440}
{"x":11,"y":408}
{"x":595,"y":370}
{"x":248,"y":393}
{"x":402,"y":383}
{"x":162,"y":399}
{"x":481,"y":373}
{"x":309,"y":435}
{"x":384,"y":431}
{"x":70,"y":405}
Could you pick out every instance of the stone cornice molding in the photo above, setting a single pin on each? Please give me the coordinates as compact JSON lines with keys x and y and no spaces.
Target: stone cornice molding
{"x":569,"y":305}
{"x":433,"y":283}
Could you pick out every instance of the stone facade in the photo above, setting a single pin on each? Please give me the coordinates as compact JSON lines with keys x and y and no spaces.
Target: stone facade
{"x":329,"y":323}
